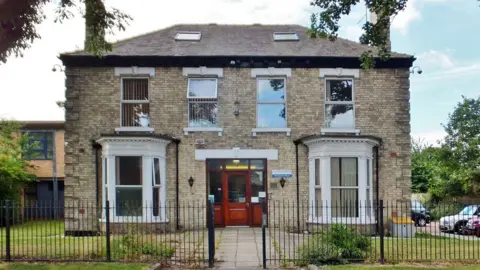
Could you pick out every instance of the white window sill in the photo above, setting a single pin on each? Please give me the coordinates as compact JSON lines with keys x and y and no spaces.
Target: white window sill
{"x":135,"y":220}
{"x":203,"y":129}
{"x":346,"y":221}
{"x":355,"y":131}
{"x":134,"y":129}
{"x":270,"y":130}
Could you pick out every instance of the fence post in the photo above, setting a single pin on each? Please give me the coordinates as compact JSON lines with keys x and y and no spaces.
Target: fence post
{"x":107,"y":229}
{"x":382,"y":233}
{"x":211,"y":233}
{"x":7,"y":231}
{"x":264,"y":240}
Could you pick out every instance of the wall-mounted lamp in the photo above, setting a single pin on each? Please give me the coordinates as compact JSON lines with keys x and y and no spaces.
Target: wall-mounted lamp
{"x":282,"y":182}
{"x":419,"y":70}
{"x":190,"y":181}
{"x":60,"y":68}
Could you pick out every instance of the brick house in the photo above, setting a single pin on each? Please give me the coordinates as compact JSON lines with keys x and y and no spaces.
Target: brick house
{"x":237,"y":114}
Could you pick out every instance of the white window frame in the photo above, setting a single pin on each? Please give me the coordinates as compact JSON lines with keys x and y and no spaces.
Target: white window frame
{"x":195,"y":100}
{"x":339,"y":102}
{"x":122,"y":101}
{"x":193,"y":36}
{"x":284,"y":102}
{"x":148,"y":149}
{"x":324,"y":149}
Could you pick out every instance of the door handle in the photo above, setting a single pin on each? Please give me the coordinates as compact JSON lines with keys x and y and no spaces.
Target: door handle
{"x":248,"y":204}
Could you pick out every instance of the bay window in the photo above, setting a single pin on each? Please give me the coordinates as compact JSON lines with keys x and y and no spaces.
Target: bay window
{"x":340,"y":183}
{"x":134,"y":178}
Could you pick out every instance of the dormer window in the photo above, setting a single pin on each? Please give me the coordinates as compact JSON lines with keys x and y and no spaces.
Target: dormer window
{"x":285,"y":36}
{"x":191,"y":36}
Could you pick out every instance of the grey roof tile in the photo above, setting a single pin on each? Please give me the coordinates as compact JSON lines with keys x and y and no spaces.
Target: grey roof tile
{"x":235,"y":40}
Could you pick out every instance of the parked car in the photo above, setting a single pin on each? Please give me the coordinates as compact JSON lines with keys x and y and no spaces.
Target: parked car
{"x":420,"y":214}
{"x":472,"y":227}
{"x":456,"y":222}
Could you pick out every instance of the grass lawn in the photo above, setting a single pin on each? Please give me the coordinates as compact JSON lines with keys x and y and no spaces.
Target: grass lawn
{"x":96,"y":266}
{"x":395,"y":267}
{"x":46,"y":240}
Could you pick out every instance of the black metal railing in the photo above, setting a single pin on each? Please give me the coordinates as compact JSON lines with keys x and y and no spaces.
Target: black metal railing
{"x":137,"y":232}
{"x":398,"y":231}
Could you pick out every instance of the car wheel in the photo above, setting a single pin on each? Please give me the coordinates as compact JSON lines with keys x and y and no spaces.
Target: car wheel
{"x":421,"y":222}
{"x":459,"y":226}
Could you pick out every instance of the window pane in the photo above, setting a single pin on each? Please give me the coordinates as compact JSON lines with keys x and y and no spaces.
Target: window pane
{"x":318,"y":202}
{"x":236,"y":164}
{"x":214,"y":164}
{"x":339,"y":90}
{"x":202,"y":113}
{"x":133,"y":114}
{"x":368,"y":172}
{"x":257,"y":182}
{"x":285,"y":36}
{"x":369,"y":204}
{"x":202,"y":88}
{"x":335,"y":172}
{"x":105,"y":166}
{"x":215,"y":184}
{"x":135,"y":89}
{"x":156,"y":171}
{"x":349,"y":172}
{"x":128,"y":171}
{"x":188,"y":36}
{"x":271,"y":90}
{"x":129,"y":201}
{"x":237,"y":188}
{"x":317,"y":172}
{"x":156,"y":201}
{"x":37,"y":155}
{"x":271,"y":116}
{"x":339,"y":116}
{"x":344,"y":202}
{"x":257,"y":164}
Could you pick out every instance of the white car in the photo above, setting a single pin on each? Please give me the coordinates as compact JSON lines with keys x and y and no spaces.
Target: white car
{"x":455,"y":222}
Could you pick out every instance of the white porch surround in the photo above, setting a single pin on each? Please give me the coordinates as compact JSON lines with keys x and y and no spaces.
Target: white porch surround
{"x":324,"y":148}
{"x":148,"y":148}
{"x":269,"y":154}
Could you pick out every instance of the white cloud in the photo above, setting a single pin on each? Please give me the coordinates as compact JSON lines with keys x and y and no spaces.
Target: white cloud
{"x":407,"y":16}
{"x":435,"y":58}
{"x":29,"y":88}
{"x":352,"y":32}
{"x":430,"y":137}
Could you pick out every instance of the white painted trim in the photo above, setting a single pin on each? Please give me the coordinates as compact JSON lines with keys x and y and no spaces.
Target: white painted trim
{"x":203,"y":129}
{"x":271,"y":71}
{"x":339,"y":72}
{"x":134,"y":129}
{"x":270,"y":130}
{"x":136,"y":219}
{"x":202,"y":71}
{"x":359,"y":220}
{"x":203,"y":154}
{"x":355,"y":131}
{"x":120,"y":71}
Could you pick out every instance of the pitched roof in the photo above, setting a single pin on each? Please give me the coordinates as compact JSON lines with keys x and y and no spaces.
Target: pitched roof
{"x":235,"y":40}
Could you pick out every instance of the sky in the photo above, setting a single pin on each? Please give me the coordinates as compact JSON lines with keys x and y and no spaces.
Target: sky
{"x":439,"y":33}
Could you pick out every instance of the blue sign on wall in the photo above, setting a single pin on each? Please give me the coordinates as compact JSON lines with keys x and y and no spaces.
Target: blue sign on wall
{"x":281,"y":173}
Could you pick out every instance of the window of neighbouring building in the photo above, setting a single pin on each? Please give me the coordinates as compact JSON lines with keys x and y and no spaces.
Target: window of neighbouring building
{"x":339,"y":104}
{"x":135,"y":107}
{"x":202,"y":102}
{"x":271,"y":106}
{"x":41,"y":145}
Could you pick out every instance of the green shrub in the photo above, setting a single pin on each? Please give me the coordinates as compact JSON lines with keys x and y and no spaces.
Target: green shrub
{"x":129,"y":247}
{"x":320,"y":253}
{"x":352,"y":244}
{"x":442,"y":209}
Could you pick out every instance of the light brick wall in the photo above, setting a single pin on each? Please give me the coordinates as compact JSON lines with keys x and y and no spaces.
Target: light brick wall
{"x":93,"y":107}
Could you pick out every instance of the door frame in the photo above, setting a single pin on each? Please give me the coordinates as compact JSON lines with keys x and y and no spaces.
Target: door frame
{"x":223,"y":223}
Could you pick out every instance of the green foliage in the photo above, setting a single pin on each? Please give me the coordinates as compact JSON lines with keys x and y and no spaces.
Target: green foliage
{"x":326,"y":24}
{"x":444,"y":208}
{"x":13,"y":166}
{"x":335,"y":246}
{"x":18,"y":21}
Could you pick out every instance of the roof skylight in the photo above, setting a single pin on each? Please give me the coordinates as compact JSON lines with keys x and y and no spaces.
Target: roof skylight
{"x":188,"y":36}
{"x":285,"y":36}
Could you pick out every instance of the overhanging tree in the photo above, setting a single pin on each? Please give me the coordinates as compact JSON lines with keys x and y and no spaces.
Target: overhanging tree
{"x":18,"y":19}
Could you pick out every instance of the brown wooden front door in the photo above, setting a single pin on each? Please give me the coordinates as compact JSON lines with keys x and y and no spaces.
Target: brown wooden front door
{"x":236,"y":198}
